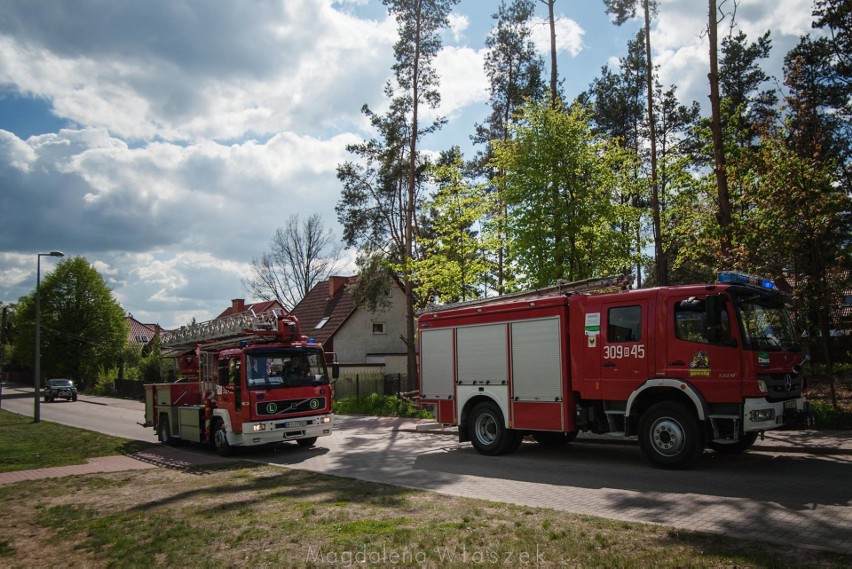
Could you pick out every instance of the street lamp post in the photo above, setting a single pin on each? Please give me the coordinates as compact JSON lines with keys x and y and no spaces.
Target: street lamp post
{"x":36,"y":401}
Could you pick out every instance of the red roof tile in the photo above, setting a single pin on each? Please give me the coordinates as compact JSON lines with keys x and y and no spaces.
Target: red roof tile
{"x":140,"y":333}
{"x":318,"y":305}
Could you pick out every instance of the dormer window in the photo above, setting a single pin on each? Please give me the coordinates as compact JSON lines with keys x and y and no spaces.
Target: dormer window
{"x":322,"y":323}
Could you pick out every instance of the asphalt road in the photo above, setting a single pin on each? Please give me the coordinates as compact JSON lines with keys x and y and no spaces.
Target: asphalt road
{"x":792,"y":488}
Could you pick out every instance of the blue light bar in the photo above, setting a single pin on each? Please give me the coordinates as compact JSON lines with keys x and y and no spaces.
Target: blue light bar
{"x":741,"y":278}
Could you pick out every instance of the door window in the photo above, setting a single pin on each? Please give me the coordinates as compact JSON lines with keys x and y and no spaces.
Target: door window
{"x":624,"y":324}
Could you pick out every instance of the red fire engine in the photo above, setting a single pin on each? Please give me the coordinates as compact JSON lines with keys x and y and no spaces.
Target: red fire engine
{"x":242,"y":381}
{"x":681,"y":367}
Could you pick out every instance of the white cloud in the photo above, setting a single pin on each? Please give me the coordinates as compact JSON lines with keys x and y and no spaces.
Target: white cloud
{"x":463,"y":79}
{"x":196,"y":128}
{"x":458,"y":25}
{"x":569,"y":35}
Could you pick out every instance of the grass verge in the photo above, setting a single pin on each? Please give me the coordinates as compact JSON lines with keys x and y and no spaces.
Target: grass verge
{"x":25,"y":445}
{"x":264,"y":516}
{"x":380,"y":406}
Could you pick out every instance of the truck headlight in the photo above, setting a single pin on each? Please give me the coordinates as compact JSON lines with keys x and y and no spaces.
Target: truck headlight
{"x":759,"y":415}
{"x":325,"y":419}
{"x":260,"y":427}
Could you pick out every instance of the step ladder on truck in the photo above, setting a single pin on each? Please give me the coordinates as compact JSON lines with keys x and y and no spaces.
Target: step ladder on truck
{"x":242,"y":381}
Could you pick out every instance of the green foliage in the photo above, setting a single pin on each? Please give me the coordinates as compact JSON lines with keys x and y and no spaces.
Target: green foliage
{"x":827,"y":416}
{"x":454,"y":256}
{"x":82,"y":325}
{"x":380,"y":406}
{"x":559,"y":184}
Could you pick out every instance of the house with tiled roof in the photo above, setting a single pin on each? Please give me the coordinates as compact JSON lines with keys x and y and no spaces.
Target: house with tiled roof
{"x":141,"y":334}
{"x":358,"y":336}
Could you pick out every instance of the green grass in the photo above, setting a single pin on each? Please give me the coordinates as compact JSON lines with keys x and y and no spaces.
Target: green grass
{"x":379,"y":406}
{"x":26,"y":445}
{"x":262,"y":516}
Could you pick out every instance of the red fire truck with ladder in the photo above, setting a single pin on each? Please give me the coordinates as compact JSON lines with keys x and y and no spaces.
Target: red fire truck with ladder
{"x":241,"y":381}
{"x":680,"y":367}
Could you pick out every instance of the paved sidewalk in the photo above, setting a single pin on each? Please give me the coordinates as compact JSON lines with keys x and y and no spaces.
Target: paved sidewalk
{"x":157,"y":457}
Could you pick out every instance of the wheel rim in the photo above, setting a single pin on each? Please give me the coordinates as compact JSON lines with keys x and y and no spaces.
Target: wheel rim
{"x":667,"y":436}
{"x":486,"y":429}
{"x":220,"y":438}
{"x":164,"y":437}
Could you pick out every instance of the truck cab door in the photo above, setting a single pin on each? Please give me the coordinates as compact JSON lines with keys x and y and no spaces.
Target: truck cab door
{"x":625,"y":348}
{"x":701,"y":348}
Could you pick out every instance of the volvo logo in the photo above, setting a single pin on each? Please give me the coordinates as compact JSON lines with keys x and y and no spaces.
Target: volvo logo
{"x":788,"y":382}
{"x":271,"y":408}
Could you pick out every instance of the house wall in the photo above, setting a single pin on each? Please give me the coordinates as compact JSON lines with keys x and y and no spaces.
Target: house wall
{"x":355,"y":341}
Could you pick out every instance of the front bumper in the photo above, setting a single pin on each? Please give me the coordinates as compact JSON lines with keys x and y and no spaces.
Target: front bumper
{"x":762,"y":415}
{"x":276,"y":431}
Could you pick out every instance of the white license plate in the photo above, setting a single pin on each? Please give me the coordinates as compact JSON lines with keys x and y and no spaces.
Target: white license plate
{"x":289,"y":424}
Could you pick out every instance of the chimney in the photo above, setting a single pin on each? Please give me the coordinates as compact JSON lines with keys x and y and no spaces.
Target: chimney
{"x":238,"y":305}
{"x":335,"y":284}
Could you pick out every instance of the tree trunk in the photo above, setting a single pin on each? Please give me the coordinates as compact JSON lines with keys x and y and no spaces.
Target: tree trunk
{"x":719,"y":167}
{"x":553,"y":75}
{"x":411,"y":349}
{"x":659,"y":254}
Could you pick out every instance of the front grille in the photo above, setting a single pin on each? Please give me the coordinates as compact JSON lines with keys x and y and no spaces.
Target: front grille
{"x":289,"y":406}
{"x":782,"y":386}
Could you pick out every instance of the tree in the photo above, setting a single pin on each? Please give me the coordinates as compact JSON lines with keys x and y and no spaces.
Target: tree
{"x":302,"y":254}
{"x":514,"y":72}
{"x":454,"y":260}
{"x":419,"y":23}
{"x":83,"y":328}
{"x":818,"y":201}
{"x":744,"y":105}
{"x":836,"y":16}
{"x":559,"y":183}
{"x":619,"y":113}
{"x":623,"y":10}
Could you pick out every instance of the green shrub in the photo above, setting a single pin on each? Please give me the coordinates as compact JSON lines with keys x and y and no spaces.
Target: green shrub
{"x":105,"y":382}
{"x":379,"y":406}
{"x":826,"y":416}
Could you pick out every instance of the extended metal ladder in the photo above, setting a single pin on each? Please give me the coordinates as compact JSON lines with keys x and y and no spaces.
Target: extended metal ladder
{"x":222,"y":329}
{"x":596,"y":284}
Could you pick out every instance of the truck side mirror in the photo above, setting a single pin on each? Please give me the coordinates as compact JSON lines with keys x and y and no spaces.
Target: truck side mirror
{"x":335,"y":370}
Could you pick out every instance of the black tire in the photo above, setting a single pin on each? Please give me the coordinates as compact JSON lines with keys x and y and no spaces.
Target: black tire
{"x":46,"y":399}
{"x":307,"y":443}
{"x":220,"y":439}
{"x":746,"y":441}
{"x":551,"y":439}
{"x":670,"y":436}
{"x":487,"y":432}
{"x":74,"y":398}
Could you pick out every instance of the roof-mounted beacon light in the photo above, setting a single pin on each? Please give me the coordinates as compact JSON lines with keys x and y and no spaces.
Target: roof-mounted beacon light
{"x":742,"y":278}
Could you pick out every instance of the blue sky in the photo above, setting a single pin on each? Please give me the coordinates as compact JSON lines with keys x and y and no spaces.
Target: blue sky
{"x":166,"y":140}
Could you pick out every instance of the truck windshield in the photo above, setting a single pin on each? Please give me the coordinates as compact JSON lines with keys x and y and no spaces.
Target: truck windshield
{"x":285,"y":368}
{"x":766,"y":324}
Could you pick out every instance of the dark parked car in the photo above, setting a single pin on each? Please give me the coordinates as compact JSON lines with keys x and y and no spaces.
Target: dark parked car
{"x":60,"y":388}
